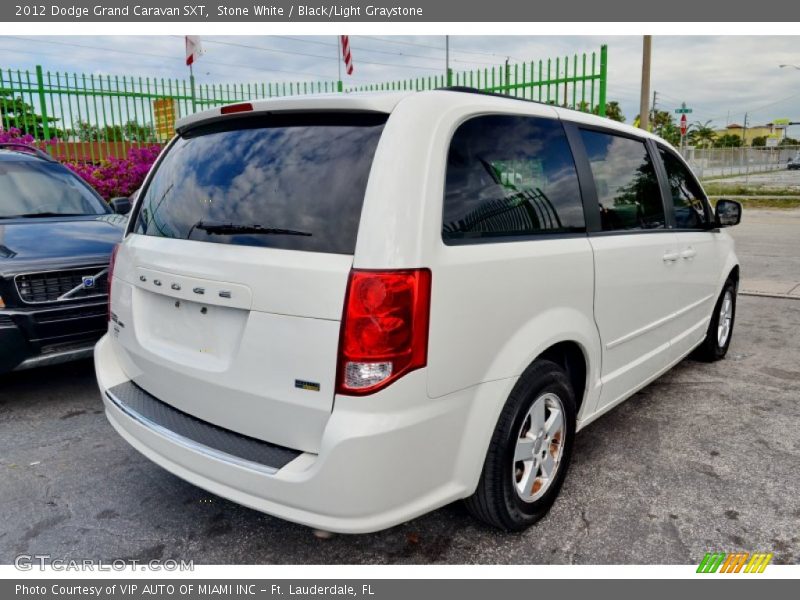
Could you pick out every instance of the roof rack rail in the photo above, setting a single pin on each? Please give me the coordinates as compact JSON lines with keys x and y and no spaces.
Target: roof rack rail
{"x":32,"y":149}
{"x":471,"y":90}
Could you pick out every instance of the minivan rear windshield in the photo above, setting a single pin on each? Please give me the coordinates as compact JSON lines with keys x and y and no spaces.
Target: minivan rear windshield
{"x":289,"y":181}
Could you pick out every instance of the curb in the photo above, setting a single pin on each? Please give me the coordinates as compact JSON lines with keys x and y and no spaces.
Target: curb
{"x":768,"y":295}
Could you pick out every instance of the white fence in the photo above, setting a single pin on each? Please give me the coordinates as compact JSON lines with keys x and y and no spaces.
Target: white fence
{"x":709,"y":163}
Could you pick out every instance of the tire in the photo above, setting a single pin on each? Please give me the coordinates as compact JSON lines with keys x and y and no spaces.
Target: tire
{"x":503,"y":498}
{"x":715,"y":346}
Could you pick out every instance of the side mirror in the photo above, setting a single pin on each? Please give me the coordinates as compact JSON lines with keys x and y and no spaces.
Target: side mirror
{"x":120,"y":205}
{"x":727,"y":213}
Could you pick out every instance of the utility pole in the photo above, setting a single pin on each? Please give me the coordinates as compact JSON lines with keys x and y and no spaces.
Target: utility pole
{"x":653,"y":110}
{"x":644,"y":109}
{"x":744,"y":131}
{"x":744,"y":151}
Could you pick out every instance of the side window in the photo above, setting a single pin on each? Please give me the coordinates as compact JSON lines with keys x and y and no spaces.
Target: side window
{"x":626,"y":182}
{"x":688,"y":198}
{"x":510,"y":176}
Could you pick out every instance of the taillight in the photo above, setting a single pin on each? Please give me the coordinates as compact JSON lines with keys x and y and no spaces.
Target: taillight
{"x":384,"y":331}
{"x":110,"y":277}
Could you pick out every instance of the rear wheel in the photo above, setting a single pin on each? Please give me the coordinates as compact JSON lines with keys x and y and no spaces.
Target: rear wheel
{"x":530,"y":450}
{"x":720,"y":329}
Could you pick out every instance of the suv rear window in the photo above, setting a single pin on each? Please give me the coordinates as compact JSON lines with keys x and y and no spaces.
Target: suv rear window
{"x":290,"y":181}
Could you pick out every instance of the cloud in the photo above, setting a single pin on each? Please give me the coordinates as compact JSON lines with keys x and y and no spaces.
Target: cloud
{"x":716,"y":75}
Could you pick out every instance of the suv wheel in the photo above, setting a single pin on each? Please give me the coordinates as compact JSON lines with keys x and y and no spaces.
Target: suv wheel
{"x":530,"y":450}
{"x":720,"y":329}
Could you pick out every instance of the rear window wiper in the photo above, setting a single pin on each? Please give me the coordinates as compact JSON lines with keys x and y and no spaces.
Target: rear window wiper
{"x":233,"y":229}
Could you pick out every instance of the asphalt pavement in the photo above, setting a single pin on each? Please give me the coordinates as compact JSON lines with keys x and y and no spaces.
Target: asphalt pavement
{"x":704,"y":459}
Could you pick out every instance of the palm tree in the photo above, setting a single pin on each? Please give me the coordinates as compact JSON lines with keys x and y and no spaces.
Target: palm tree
{"x":702,"y":135}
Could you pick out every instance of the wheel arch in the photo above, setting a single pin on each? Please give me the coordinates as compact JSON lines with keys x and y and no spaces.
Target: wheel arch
{"x":569,"y":353}
{"x":570,"y":356}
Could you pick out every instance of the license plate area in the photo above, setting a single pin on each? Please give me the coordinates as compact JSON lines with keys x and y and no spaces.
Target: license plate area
{"x":194,"y":334}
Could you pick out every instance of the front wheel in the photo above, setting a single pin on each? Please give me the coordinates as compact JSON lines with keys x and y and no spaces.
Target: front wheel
{"x":720,"y":329}
{"x":530,"y":450}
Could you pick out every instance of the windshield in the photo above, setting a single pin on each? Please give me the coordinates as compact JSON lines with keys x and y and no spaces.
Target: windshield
{"x":291,"y":181}
{"x":30,"y":188}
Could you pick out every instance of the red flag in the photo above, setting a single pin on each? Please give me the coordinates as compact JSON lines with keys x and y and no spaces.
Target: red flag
{"x":194,"y":49}
{"x":348,"y":58}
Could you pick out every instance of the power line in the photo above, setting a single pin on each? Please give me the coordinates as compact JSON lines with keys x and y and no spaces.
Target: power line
{"x":366,"y":49}
{"x":762,"y":107}
{"x":319,"y":56}
{"x":499,"y":55}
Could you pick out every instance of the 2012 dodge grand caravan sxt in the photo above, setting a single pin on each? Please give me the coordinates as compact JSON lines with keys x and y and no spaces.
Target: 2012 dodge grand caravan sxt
{"x":349,"y":310}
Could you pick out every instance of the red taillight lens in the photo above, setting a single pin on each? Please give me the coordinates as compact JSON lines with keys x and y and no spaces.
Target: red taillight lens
{"x":110,"y":277}
{"x":236,"y":108}
{"x":384,"y":331}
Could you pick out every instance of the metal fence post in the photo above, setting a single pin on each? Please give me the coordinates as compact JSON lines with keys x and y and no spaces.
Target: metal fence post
{"x":603,"y":80}
{"x":42,"y":104}
{"x":191,"y":84}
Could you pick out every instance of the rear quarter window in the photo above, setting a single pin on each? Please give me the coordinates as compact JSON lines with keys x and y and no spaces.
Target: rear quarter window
{"x":510,"y":176}
{"x":289,"y":181}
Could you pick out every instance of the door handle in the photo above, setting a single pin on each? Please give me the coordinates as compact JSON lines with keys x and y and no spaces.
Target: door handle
{"x":671,"y":256}
{"x":689,"y":253}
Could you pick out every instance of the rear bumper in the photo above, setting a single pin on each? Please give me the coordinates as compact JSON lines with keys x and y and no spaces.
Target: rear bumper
{"x":384,"y":459}
{"x":33,"y":337}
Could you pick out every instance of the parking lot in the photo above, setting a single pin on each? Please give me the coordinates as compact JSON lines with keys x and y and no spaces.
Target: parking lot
{"x":706,"y":458}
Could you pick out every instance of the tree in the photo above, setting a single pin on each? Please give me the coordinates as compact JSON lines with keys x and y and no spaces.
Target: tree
{"x":787,"y":141}
{"x":671,"y":133}
{"x":663,"y":125}
{"x":759,"y":141}
{"x":702,"y":135}
{"x":17,"y":114}
{"x":613,"y":111}
{"x":729,"y":140}
{"x":85,"y":131}
{"x":114,"y":133}
{"x":137,"y":133}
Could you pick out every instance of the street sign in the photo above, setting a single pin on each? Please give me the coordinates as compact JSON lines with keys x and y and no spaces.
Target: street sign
{"x":780,"y":122}
{"x":683,"y":110}
{"x":684,"y":124}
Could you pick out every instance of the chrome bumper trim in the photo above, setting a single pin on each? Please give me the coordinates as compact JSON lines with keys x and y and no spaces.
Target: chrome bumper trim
{"x":55,"y":358}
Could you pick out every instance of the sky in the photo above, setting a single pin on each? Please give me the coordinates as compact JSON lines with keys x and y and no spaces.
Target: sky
{"x":719,"y":77}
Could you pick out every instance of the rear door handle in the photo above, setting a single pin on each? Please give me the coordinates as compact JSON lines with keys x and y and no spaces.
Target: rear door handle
{"x":689,"y":253}
{"x":671,"y":256}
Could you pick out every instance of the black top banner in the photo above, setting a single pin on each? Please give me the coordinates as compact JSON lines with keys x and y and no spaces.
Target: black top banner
{"x":400,"y":11}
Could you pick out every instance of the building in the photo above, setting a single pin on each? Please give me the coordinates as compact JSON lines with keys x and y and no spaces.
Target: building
{"x":753,"y":131}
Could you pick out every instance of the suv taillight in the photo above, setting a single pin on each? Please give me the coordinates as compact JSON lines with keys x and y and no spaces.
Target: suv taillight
{"x":110,"y":277}
{"x":384,"y":331}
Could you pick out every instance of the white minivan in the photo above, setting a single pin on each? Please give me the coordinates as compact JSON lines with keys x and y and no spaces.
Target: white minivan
{"x":350,"y":310}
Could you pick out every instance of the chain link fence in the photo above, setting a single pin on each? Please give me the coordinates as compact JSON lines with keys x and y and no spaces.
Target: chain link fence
{"x":710,"y":163}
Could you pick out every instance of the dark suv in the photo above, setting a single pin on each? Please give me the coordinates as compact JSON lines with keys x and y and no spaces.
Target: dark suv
{"x":56,"y":237}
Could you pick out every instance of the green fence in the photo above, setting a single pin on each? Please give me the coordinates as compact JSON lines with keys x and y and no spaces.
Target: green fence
{"x":90,"y":117}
